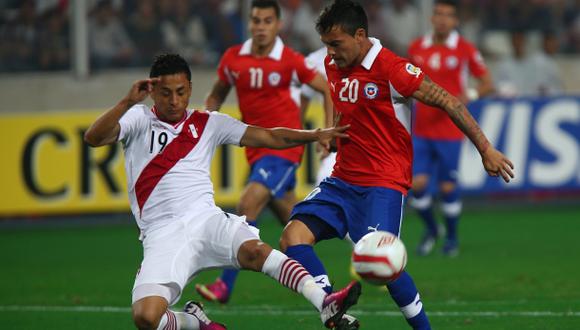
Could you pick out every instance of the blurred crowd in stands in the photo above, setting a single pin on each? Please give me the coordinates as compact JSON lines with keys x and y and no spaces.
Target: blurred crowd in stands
{"x":35,"y":35}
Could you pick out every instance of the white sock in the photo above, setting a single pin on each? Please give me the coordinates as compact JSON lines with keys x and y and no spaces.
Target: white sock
{"x":314,"y":293}
{"x":178,"y":321}
{"x":293,"y":275}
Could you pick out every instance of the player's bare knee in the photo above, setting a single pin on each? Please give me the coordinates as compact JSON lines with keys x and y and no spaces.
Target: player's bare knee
{"x":285,"y":241}
{"x":253,"y":254}
{"x":447,"y":187}
{"x":146,"y":318}
{"x":420,"y":182}
{"x":262,"y":253}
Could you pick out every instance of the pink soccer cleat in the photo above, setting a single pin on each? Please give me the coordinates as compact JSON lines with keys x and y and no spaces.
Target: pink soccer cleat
{"x":337,"y":303}
{"x":196,"y":309}
{"x":217,"y":291}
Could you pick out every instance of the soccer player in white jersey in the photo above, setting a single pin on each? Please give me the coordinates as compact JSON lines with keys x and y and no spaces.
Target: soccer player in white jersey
{"x":168,"y":150}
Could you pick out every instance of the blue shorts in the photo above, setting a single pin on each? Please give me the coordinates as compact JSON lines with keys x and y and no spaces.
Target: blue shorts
{"x":276,"y":173}
{"x":336,"y":208}
{"x":436,"y":157}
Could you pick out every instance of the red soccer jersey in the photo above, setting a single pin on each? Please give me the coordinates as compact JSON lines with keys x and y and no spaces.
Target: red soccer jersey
{"x":448,"y":65}
{"x":263,"y":89}
{"x":374,"y":99}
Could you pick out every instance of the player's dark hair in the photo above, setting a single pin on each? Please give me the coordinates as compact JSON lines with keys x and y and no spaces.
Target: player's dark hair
{"x":267,"y":4}
{"x":452,"y":3}
{"x":346,"y":14}
{"x":167,"y":64}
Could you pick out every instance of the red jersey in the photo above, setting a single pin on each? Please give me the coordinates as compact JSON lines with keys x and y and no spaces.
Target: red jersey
{"x":447,"y":65}
{"x":263,"y":89}
{"x":373,"y":98}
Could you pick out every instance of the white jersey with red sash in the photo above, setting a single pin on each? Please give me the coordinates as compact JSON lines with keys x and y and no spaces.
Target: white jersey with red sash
{"x":168,"y":165}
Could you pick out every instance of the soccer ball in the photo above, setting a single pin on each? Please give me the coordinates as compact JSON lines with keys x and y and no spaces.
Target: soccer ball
{"x":379,"y":257}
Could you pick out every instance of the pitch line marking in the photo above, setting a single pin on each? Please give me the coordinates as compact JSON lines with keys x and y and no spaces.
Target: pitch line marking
{"x":268,"y":310}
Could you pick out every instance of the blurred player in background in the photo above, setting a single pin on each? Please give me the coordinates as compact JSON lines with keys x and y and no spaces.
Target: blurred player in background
{"x":307,"y":93}
{"x":262,"y":71}
{"x":168,"y":150}
{"x":447,"y":58}
{"x":371,"y":90}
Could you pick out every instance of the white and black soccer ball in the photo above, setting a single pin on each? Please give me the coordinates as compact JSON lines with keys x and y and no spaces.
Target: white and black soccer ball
{"x":379,"y":257}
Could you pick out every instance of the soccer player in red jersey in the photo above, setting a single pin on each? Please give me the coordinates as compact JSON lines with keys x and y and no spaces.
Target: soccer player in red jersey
{"x":372,"y":89}
{"x":262,"y":70}
{"x":447,"y":58}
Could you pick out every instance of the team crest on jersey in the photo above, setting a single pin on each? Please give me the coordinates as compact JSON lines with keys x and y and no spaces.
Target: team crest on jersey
{"x":274,"y":78}
{"x":412,"y":70}
{"x":451,"y":62}
{"x":371,"y":90}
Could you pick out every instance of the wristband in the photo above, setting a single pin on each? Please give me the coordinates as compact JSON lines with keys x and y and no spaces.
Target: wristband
{"x":472,"y":94}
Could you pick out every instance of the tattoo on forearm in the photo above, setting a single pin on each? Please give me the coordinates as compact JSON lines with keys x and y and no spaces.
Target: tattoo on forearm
{"x":290,"y":141}
{"x":463,"y":119}
{"x":437,"y":96}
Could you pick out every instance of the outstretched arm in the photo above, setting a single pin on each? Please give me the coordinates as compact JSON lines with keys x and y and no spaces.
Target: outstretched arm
{"x":495,"y":162}
{"x":283,"y":138}
{"x":106,"y":128}
{"x":217,"y":96}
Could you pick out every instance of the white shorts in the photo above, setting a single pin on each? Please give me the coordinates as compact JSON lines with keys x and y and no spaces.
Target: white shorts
{"x":175,"y":253}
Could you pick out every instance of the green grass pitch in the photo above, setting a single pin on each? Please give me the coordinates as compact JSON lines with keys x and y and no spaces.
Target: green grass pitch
{"x":518,"y":269}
